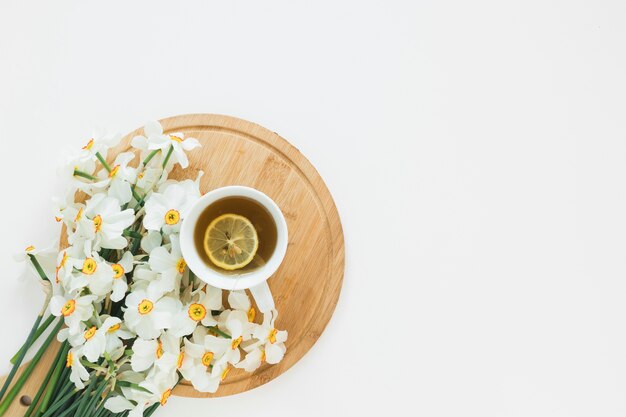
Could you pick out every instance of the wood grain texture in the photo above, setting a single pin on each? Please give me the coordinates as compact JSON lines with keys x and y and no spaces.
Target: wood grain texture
{"x":307,"y":285}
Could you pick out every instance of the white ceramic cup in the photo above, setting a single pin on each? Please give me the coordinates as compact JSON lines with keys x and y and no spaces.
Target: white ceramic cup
{"x":255,"y":280}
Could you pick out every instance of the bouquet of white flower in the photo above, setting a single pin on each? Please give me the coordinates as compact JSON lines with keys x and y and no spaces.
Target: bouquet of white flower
{"x":131,"y":317}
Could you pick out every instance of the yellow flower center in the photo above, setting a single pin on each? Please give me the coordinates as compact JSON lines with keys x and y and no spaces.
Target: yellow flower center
{"x":91,"y":332}
{"x":159,"y":349}
{"x":176,"y":138}
{"x":97,"y":223}
{"x":251,"y":314}
{"x":263,"y":357}
{"x":181,"y":358}
{"x":207,"y":358}
{"x":30,"y":248}
{"x":145,"y":307}
{"x":141,"y":175}
{"x":196,"y":312}
{"x":272,"y":336}
{"x":225,"y":372}
{"x":79,"y":215}
{"x":118,"y":271}
{"x":68,"y":308}
{"x":69,"y":360}
{"x":181,"y":265}
{"x":89,"y":266}
{"x":114,"y":170}
{"x":57,"y":219}
{"x":236,"y":342}
{"x":172,"y":217}
{"x":89,"y":145}
{"x":165,"y":396}
{"x":114,"y":328}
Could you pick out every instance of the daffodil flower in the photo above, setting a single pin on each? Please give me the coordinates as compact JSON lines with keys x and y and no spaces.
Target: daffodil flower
{"x":120,"y":269}
{"x":239,"y":300}
{"x":99,"y":145}
{"x":119,"y":178}
{"x":166,"y":209}
{"x":103,"y":221}
{"x":93,"y":339}
{"x":78,"y":373}
{"x":148,"y":312}
{"x":269,"y":340}
{"x":198,"y":311}
{"x":77,"y":172}
{"x":155,"y":139}
{"x":94,"y":273}
{"x":45,"y":257}
{"x":73,"y":309}
{"x":170,"y":264}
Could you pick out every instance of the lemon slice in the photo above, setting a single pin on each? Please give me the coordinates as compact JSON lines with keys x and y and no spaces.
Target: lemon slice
{"x":231,"y":241}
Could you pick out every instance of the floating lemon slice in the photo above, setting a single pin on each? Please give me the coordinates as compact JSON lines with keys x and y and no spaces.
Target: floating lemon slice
{"x":231,"y":241}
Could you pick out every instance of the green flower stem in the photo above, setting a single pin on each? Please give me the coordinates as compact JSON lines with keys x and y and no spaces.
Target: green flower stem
{"x":84,"y":399}
{"x":167,"y":157}
{"x":37,"y":265}
{"x":94,"y":401}
{"x":61,"y":388}
{"x":150,"y":156}
{"x":79,"y":173}
{"x":221,"y":333}
{"x":132,"y":233}
{"x":70,"y":410}
{"x":103,"y":161}
{"x":42,"y":388}
{"x":58,"y":368}
{"x":59,"y":404}
{"x":39,"y":332}
{"x":151,"y":410}
{"x":20,"y":358}
{"x":19,"y":384}
{"x":136,"y":196}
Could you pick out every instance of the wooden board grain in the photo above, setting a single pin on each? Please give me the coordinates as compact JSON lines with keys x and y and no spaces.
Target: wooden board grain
{"x":307,"y":285}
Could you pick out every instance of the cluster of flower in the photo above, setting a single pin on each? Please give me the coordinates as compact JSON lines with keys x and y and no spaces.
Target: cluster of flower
{"x":133,"y":310}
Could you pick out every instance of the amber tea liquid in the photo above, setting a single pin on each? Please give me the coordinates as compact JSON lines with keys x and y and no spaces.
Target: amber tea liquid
{"x":260,"y":218}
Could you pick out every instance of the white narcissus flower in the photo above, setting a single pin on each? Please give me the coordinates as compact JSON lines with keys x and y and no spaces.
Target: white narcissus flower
{"x":45,"y":257}
{"x":155,"y":139}
{"x":78,"y":373}
{"x":73,"y":309}
{"x":119,"y":179}
{"x":270,"y":340}
{"x":166,"y":209}
{"x":170,"y":264}
{"x":103,"y":221}
{"x":93,"y":339}
{"x":99,"y":143}
{"x":239,"y":300}
{"x":120,"y":283}
{"x":145,"y":353}
{"x":94,"y":273}
{"x":207,"y":360}
{"x":197,"y":312}
{"x":77,"y":172}
{"x":148,"y":312}
{"x":114,"y":337}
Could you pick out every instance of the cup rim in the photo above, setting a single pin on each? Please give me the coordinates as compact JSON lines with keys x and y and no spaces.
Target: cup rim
{"x":214,"y":278}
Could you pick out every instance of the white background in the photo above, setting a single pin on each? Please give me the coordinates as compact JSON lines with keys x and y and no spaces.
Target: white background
{"x":476,"y":152}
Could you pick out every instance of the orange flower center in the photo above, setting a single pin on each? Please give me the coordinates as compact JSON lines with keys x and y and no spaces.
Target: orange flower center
{"x":225,"y":372}
{"x":172,"y":217}
{"x":89,"y":145}
{"x":236,"y":342}
{"x":251,"y":314}
{"x":181,"y":265}
{"x":79,"y":215}
{"x":30,"y":248}
{"x":89,"y":266}
{"x":91,"y":332}
{"x":118,"y":271}
{"x":145,"y":307}
{"x":207,"y":358}
{"x":176,"y":138}
{"x":159,"y":349}
{"x":196,"y":312}
{"x":97,"y":223}
{"x":181,"y":358}
{"x":69,"y":360}
{"x":114,"y":171}
{"x":68,"y":308}
{"x":114,"y":328}
{"x":272,"y":336}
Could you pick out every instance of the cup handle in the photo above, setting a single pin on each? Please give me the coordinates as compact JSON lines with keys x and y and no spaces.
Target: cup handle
{"x":263,"y":297}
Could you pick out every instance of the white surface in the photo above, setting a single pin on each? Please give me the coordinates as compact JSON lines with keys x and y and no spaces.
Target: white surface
{"x":476,"y":151}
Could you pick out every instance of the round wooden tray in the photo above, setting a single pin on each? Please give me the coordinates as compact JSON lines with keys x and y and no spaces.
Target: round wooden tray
{"x":307,"y":285}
